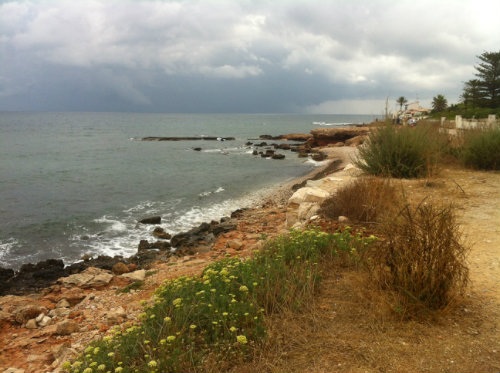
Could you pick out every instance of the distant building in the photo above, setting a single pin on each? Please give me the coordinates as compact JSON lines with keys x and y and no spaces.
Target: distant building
{"x":414,"y":109}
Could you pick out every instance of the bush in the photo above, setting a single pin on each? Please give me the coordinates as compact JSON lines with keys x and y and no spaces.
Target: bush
{"x":401,"y":152}
{"x":481,"y":148}
{"x":192,"y":321}
{"x":363,"y":200}
{"x":422,"y":259}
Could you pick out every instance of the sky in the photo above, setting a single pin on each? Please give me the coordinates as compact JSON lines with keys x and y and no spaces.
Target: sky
{"x":182,"y":56}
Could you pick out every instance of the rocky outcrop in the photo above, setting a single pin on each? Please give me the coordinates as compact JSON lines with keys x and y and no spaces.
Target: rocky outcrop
{"x":326,"y":136}
{"x":206,"y":138}
{"x":90,"y":278}
{"x":151,"y":220}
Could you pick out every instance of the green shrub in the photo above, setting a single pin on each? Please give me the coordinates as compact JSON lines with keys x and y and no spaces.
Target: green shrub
{"x":422,"y":259}
{"x":481,"y":148}
{"x":193,"y":320}
{"x":401,"y":152}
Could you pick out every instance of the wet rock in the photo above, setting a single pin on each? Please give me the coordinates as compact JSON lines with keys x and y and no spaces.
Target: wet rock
{"x":255,"y":152}
{"x":86,"y":257}
{"x":278,"y":156}
{"x":249,"y":143}
{"x":66,"y":327}
{"x":151,"y":220}
{"x":238,"y":213}
{"x":102,"y":262}
{"x":158,"y":232}
{"x":33,"y":277}
{"x":145,"y":257}
{"x":197,"y":149}
{"x":318,"y":157}
{"x":284,"y":146}
{"x":5,"y":275}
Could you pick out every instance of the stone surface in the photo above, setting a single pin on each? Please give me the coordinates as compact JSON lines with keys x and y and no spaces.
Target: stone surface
{"x":63,"y":303}
{"x":234,"y":244}
{"x":308,"y":194}
{"x":66,"y":327}
{"x":343,"y":219}
{"x":139,"y":275}
{"x":31,"y":324}
{"x":23,"y":314}
{"x":90,"y":278}
{"x":158,"y":232}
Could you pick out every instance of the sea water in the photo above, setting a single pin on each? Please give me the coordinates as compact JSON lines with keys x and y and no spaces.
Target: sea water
{"x":77,"y":183}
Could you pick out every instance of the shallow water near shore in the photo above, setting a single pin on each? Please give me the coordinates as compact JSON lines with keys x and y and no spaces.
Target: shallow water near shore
{"x":76,"y":183}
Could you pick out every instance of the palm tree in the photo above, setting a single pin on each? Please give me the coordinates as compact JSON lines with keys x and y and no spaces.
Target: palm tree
{"x":439,"y":103}
{"x":401,"y":101}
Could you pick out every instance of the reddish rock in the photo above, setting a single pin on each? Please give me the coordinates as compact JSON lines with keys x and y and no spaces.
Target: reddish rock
{"x":120,"y":268}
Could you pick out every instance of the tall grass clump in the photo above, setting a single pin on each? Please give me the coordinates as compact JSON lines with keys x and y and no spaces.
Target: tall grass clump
{"x":422,"y":260}
{"x":364,"y":200}
{"x":402,"y":152}
{"x":481,"y":148}
{"x":200,"y":323}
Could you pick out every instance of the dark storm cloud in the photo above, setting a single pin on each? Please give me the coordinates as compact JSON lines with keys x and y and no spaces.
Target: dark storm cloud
{"x":229,"y":56}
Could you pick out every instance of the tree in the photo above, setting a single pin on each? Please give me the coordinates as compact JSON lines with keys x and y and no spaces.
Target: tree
{"x":472,"y":95}
{"x":439,"y":103}
{"x":401,"y":101}
{"x":488,"y":72}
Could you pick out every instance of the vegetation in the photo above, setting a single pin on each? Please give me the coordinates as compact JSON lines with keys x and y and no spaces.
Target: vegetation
{"x":439,"y":103}
{"x":401,"y":152}
{"x":192,"y":322}
{"x":365,"y":200}
{"x":421,"y":260}
{"x":481,"y":148}
{"x":401,"y":101}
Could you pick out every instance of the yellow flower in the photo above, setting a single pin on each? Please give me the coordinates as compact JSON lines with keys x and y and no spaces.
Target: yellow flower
{"x":163,"y":341}
{"x":88,"y":370}
{"x":111,"y":354}
{"x":243,"y":288}
{"x":224,"y":314}
{"x":96,"y":350}
{"x":152,"y":364}
{"x":118,"y":370}
{"x":177,"y":301}
{"x":67,"y":365}
{"x":192,"y":326}
{"x":167,"y":319}
{"x":171,"y":338}
{"x":233,"y":329}
{"x":241,"y":339}
{"x":77,"y":364}
{"x":101,"y":367}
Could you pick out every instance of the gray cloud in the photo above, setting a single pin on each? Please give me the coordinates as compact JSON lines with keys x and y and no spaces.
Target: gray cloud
{"x":226,"y":56}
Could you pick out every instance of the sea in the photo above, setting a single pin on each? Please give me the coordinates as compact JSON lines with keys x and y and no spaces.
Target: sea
{"x":77,"y":183}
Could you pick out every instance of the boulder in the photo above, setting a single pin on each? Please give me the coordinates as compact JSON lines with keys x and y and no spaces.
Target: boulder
{"x":278,"y":156}
{"x":63,"y":303}
{"x":356,"y":141}
{"x":308,"y":194}
{"x":307,"y":209}
{"x":158,"y":232}
{"x":66,"y":327}
{"x":296,"y":137}
{"x":5,"y":275}
{"x":234,"y":244}
{"x":151,"y":220}
{"x":158,"y":245}
{"x":90,"y":278}
{"x":116,"y":315}
{"x":197,"y":149}
{"x":33,"y":277}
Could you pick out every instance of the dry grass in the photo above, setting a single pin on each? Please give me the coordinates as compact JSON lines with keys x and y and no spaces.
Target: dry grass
{"x":365,"y":200}
{"x":422,"y":260}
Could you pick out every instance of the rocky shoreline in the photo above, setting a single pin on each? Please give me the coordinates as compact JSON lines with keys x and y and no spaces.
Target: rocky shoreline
{"x":35,"y":277}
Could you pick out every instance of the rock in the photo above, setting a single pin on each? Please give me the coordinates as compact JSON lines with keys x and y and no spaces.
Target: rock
{"x":33,"y":277}
{"x":343,"y":219}
{"x":248,"y":143}
{"x":356,"y":141}
{"x":66,"y":327}
{"x":102,"y":262}
{"x":120,"y":268}
{"x":86,"y":257}
{"x":46,"y":320}
{"x":151,"y":220}
{"x":39,"y":317}
{"x":158,"y":232}
{"x":63,"y":303}
{"x":90,"y":278}
{"x":25,"y":313}
{"x":337,"y":144}
{"x":59,"y":312}
{"x":13,"y":370}
{"x":234,"y":244}
{"x":255,"y":152}
{"x":308,"y":194}
{"x":284,"y":146}
{"x":326,"y":136}
{"x":238,"y":213}
{"x":31,"y":324}
{"x":278,"y":156}
{"x":139,"y":275}
{"x":5,"y":275}
{"x":318,"y":157}
{"x":296,"y":137}
{"x":307,"y":209}
{"x":197,"y":149}
{"x":116,"y":315}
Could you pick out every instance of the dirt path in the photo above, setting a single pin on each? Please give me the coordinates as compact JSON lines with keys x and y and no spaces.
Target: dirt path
{"x":349,"y":329}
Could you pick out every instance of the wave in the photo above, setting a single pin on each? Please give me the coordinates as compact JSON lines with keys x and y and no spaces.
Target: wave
{"x":339,"y":124}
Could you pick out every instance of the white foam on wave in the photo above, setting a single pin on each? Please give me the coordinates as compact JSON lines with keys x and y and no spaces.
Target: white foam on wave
{"x":332,"y":124}
{"x":316,"y":163}
{"x":206,"y":194}
{"x":5,"y":248}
